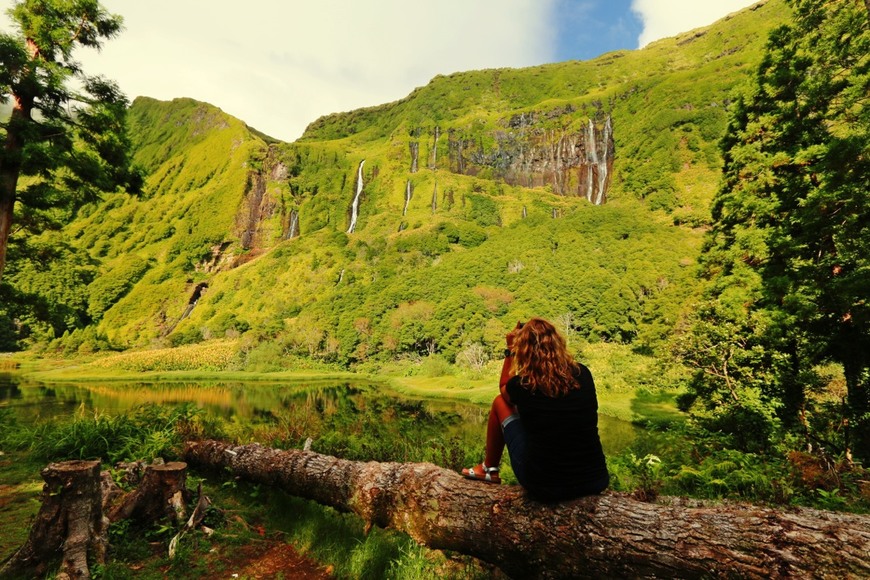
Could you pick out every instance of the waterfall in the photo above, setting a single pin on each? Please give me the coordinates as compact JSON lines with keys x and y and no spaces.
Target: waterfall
{"x":191,"y":304}
{"x":407,"y":197}
{"x":435,"y":147}
{"x":525,"y":213}
{"x":340,"y":277}
{"x":188,"y":310}
{"x":293,"y":230}
{"x":354,"y":208}
{"x":435,"y":198}
{"x":602,"y":166}
{"x":592,"y":158}
{"x":414,"y":146}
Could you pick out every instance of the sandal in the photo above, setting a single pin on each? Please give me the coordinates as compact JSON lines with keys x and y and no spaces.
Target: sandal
{"x":490,"y":474}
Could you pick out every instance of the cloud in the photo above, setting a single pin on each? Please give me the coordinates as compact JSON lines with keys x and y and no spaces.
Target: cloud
{"x":278,"y":65}
{"x":663,"y":18}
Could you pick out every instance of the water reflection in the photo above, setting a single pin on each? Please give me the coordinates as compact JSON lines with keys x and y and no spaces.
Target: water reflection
{"x":349,"y":419}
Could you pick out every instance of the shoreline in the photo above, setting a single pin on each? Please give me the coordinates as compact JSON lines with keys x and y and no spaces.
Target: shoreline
{"x":633,"y":406}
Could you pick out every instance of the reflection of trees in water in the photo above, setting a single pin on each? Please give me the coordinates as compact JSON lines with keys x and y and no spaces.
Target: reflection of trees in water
{"x":356,"y":421}
{"x":8,"y":390}
{"x":116,"y":397}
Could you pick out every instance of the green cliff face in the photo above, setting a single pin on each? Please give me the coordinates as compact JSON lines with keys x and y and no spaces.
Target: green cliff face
{"x":577,"y":190}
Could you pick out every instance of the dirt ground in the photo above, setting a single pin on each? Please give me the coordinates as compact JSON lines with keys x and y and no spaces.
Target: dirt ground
{"x":274,"y":559}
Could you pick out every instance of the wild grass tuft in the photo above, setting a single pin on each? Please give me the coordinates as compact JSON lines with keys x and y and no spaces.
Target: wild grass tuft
{"x":145,"y":433}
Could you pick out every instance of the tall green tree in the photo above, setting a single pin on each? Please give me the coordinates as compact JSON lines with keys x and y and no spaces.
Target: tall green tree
{"x":789,"y":254}
{"x":64,"y":141}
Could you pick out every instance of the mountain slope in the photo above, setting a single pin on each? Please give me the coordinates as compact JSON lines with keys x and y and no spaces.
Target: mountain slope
{"x":196,"y":158}
{"x":472,"y":209}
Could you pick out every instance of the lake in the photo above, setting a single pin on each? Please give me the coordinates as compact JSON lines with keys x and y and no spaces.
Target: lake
{"x":360,"y":421}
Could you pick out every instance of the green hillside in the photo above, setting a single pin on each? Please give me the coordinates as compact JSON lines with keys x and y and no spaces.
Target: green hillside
{"x":239,"y":236}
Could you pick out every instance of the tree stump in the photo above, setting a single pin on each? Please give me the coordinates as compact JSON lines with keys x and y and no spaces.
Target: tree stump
{"x":161,"y":495}
{"x":69,"y":524}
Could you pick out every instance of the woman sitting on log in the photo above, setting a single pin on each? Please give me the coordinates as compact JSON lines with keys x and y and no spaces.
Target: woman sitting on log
{"x":547,"y":414}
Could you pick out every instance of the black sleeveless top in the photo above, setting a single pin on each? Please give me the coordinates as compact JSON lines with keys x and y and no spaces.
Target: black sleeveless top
{"x":563,"y":451}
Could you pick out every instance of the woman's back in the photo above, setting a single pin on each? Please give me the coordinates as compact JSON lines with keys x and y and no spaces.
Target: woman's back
{"x":563,"y":453}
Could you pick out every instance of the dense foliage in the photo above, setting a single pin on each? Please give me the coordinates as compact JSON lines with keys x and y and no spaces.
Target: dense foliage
{"x":63,"y":143}
{"x":787,"y":259}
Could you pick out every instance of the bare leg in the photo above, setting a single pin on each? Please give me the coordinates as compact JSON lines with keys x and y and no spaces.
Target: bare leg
{"x":499,"y":411}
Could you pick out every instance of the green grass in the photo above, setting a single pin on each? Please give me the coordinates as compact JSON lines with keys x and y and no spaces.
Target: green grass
{"x":480,"y":391}
{"x":148,"y":432}
{"x":339,"y":540}
{"x":20,"y":487}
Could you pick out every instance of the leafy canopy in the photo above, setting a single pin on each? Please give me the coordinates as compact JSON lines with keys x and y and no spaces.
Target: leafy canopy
{"x":64,"y":141}
{"x":789,"y":254}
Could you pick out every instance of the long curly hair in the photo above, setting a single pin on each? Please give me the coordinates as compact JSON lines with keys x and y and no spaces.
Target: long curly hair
{"x":542,"y":360}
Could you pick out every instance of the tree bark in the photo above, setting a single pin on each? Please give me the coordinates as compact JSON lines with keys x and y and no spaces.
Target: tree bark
{"x":9,"y":169}
{"x":610,"y":535}
{"x":69,"y":525}
{"x":162,"y":494}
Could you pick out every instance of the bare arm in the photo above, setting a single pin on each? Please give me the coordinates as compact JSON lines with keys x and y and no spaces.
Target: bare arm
{"x":505,"y":376}
{"x":506,"y":373}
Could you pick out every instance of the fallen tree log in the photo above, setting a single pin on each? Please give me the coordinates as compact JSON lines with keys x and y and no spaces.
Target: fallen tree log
{"x":611,"y":535}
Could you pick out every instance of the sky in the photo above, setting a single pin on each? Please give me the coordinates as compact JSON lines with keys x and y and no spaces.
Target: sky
{"x":280,"y":64}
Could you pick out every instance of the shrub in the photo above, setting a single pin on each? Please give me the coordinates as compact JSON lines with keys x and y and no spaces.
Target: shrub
{"x":266,"y":357}
{"x":484,"y":211}
{"x":749,"y":427}
{"x":189,"y":335}
{"x":474,"y":357}
{"x":81,"y":341}
{"x":435,"y":366}
{"x":227,"y":321}
{"x":113,"y":285}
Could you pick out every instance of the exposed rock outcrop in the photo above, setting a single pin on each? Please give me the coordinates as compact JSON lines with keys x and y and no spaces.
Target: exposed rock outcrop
{"x":570,"y":162}
{"x":257,"y":206}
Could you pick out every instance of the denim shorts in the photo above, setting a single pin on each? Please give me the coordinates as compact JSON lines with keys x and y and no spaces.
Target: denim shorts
{"x":516,"y":440}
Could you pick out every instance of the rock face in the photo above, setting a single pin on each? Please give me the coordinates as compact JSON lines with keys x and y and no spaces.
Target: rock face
{"x":258,"y":205}
{"x":576,"y":163}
